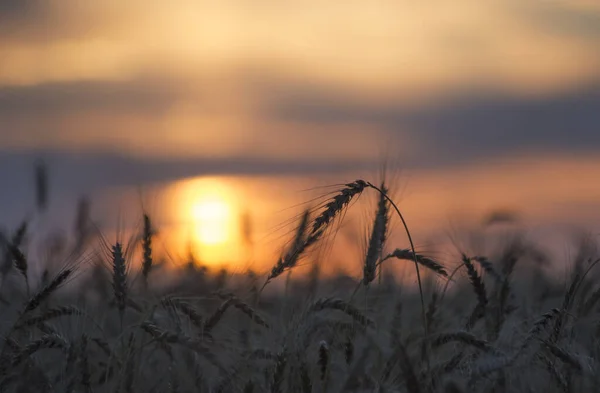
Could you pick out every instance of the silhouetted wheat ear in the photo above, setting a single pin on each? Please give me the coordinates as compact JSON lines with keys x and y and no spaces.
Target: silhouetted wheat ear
{"x":298,"y":246}
{"x":563,"y":355}
{"x":103,"y":345}
{"x":337,"y":204}
{"x":45,"y":342}
{"x":488,"y":267}
{"x":323,"y":360}
{"x":20,"y":263}
{"x":119,"y":277}
{"x":244,"y":307}
{"x":349,"y":350}
{"x":278,"y":372}
{"x":19,"y":235}
{"x":407,"y":255}
{"x":479,"y":289}
{"x":539,"y":326}
{"x":147,"y":248}
{"x":462,"y":337}
{"x":46,"y":291}
{"x":212,"y":321}
{"x":377,"y":239}
{"x":476,"y":282}
{"x":250,"y":312}
{"x":12,"y":245}
{"x":52,"y":313}
{"x":341,"y":305}
{"x":188,"y":310}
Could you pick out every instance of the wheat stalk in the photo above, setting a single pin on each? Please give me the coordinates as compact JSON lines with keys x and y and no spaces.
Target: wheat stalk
{"x":412,"y":247}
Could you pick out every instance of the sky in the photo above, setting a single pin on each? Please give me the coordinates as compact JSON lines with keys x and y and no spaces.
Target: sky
{"x":116,"y":95}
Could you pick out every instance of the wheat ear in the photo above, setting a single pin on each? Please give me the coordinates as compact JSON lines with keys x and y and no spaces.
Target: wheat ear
{"x":376,"y":240}
{"x":147,"y":249}
{"x":119,"y":279}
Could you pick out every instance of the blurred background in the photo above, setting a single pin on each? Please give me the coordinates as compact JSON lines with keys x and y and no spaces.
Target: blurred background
{"x":220,"y":118}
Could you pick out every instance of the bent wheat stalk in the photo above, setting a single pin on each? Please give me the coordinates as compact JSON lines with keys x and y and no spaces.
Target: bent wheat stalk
{"x":412,"y":247}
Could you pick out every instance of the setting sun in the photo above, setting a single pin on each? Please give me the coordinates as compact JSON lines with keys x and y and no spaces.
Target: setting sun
{"x":208,"y":211}
{"x":212,"y":220}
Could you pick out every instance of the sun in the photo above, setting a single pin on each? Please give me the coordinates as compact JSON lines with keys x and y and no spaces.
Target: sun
{"x":207,"y":223}
{"x":212,"y":218}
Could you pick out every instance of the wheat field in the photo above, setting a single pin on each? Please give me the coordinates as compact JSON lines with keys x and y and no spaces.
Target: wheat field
{"x":100,"y":319}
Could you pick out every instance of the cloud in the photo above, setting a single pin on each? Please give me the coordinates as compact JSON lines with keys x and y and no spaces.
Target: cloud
{"x":415,"y":47}
{"x":463,"y":127}
{"x":275,"y":121}
{"x":91,"y":171}
{"x":566,"y":20}
{"x":49,"y":21}
{"x":84,"y":114}
{"x":113,"y":97}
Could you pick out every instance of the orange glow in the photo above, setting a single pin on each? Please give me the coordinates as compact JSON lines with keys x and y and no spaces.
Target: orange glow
{"x":208,"y":212}
{"x":293,"y":92}
{"x":213,"y":221}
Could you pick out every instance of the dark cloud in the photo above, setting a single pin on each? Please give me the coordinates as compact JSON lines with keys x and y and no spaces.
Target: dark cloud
{"x":467,"y":126}
{"x":47,"y":21}
{"x":131,"y":97}
{"x":454,"y":129}
{"x":30,"y":20}
{"x":14,"y":9}
{"x":89,"y":171}
{"x":501,"y":125}
{"x":37,"y":115}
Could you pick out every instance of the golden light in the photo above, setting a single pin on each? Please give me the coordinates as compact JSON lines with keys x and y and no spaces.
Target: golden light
{"x":212,"y":220}
{"x":208,"y":212}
